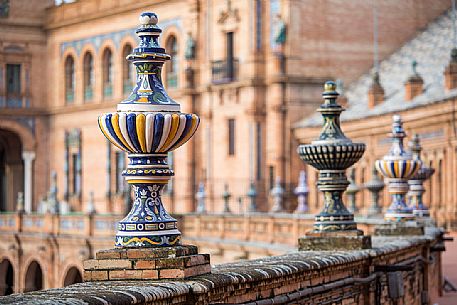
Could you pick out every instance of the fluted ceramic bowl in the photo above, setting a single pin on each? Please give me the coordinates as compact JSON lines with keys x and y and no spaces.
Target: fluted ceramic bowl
{"x":331,"y":156}
{"x":398,"y":169}
{"x":148,"y":132}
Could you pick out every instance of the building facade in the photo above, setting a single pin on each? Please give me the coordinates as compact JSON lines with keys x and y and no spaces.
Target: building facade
{"x":418,"y":82}
{"x":250,"y":69}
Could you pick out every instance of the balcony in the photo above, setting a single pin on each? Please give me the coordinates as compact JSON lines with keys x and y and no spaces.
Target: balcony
{"x":88,"y":93}
{"x":224,"y":71}
{"x":14,"y":101}
{"x":69,"y":96}
{"x":108,"y":90}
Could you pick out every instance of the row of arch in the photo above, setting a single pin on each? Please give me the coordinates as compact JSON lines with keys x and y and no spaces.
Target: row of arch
{"x":88,"y":69}
{"x":34,"y":277}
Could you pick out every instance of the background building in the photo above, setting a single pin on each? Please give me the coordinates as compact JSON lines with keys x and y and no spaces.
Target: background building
{"x":250,"y":69}
{"x":257,"y":68}
{"x":417,"y":81}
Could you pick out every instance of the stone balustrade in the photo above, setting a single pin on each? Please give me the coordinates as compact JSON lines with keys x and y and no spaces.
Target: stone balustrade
{"x":82,"y":225}
{"x":397,"y":270}
{"x":283,"y":229}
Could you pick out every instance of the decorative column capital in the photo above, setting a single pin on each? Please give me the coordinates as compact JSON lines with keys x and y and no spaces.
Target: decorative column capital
{"x":28,"y":155}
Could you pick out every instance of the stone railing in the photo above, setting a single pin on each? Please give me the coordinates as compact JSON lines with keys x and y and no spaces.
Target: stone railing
{"x":259,"y":228}
{"x":396,"y":271}
{"x":284,"y":229}
{"x":67,"y":224}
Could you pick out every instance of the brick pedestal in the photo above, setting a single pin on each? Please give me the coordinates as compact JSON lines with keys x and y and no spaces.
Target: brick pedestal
{"x":337,"y":240}
{"x":399,"y":229}
{"x":176,"y":262}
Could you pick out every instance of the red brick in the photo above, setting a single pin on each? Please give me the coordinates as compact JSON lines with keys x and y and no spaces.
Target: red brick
{"x":197,"y":270}
{"x":99,"y":275}
{"x":108,"y":254}
{"x":125,"y":274}
{"x":144,"y":264}
{"x":90,"y":264}
{"x":199,"y":259}
{"x":112,"y":264}
{"x":150,"y":274}
{"x":171,"y":274}
{"x":87,"y":276}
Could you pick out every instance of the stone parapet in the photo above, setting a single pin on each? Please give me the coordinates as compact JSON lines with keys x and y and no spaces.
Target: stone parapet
{"x":306,"y":277}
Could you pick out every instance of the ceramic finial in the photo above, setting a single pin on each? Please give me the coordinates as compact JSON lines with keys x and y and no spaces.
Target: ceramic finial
{"x":415,"y":146}
{"x":148,"y":18}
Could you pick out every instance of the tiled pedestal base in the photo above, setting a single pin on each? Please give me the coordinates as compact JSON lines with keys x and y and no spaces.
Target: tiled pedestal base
{"x":337,"y":240}
{"x":398,"y":229}
{"x":176,"y":262}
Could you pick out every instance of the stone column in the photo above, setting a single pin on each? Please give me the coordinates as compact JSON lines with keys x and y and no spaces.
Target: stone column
{"x":28,"y":157}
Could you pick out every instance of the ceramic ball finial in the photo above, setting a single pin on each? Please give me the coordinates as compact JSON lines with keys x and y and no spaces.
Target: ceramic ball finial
{"x":148,"y":18}
{"x":329,"y":86}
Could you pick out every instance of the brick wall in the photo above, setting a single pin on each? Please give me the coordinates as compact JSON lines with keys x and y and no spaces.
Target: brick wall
{"x":332,"y":277}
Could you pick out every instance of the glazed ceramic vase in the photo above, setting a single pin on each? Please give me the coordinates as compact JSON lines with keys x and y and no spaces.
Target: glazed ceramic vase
{"x":332,"y":154}
{"x":148,"y":125}
{"x":398,"y":166}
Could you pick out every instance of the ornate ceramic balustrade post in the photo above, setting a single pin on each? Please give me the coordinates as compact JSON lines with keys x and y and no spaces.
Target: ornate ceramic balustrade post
{"x":201,"y":197}
{"x":252,"y":194}
{"x":352,"y":191}
{"x":398,"y":166}
{"x":277,"y":192}
{"x":332,"y":153}
{"x":302,"y":191}
{"x":148,"y":125}
{"x":374,"y":186}
{"x":226,"y":197}
{"x":416,"y":187}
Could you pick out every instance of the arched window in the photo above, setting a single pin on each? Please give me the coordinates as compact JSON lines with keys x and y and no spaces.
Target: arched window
{"x":88,"y":76}
{"x":107,"y":73}
{"x":73,"y":276}
{"x":33,"y":277}
{"x":172,"y":66}
{"x":128,"y":75}
{"x":69,"y":79}
{"x":6,"y":278}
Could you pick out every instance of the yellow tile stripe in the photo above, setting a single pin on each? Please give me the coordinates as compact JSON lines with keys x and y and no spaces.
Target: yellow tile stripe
{"x":173,"y":130}
{"x":117,"y":130}
{"x":140,"y":131}
{"x":190,"y":132}
{"x":101,"y":121}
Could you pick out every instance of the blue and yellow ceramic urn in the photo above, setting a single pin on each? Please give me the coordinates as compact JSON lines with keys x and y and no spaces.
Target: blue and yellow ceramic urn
{"x":398,"y":166}
{"x":148,"y":125}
